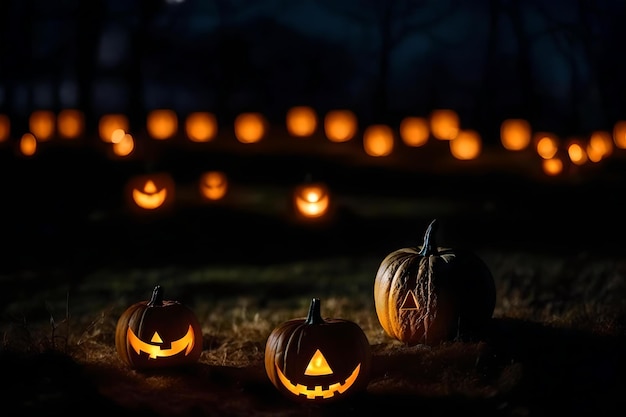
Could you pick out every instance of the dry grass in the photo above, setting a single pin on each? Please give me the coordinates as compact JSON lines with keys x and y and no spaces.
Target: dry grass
{"x":556,"y":344}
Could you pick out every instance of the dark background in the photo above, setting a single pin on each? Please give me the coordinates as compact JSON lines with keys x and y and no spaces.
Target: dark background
{"x":558,"y":64}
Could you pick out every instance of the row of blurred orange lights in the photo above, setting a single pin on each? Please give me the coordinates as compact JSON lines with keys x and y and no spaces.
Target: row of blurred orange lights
{"x":338,"y":126}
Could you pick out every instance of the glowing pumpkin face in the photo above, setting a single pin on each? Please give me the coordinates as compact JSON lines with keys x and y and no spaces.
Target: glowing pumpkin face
{"x":213,"y":185}
{"x":311,"y":200}
{"x":151,"y":192}
{"x":158,"y":333}
{"x":318,"y":360}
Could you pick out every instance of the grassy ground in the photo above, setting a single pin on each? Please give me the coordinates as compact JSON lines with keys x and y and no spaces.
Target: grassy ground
{"x":556,"y":343}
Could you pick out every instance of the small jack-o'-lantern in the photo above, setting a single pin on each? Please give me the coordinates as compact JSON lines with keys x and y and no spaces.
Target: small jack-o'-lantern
{"x":429,"y":294}
{"x":318,"y":360}
{"x":311,"y":199}
{"x":151,"y":191}
{"x":158,"y":333}
{"x":213,"y":185}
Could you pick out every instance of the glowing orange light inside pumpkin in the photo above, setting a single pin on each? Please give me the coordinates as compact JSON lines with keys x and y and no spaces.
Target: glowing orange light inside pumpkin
{"x":301,"y":121}
{"x":5,"y":127}
{"x":162,"y":124}
{"x":414,"y":131}
{"x":108,"y":123}
{"x":155,"y":350}
{"x":201,"y":126}
{"x":250,"y":127}
{"x":576,"y":152}
{"x":466,"y":145}
{"x":318,"y":365}
{"x":28,"y":144}
{"x":312,"y":199}
{"x":41,"y":124}
{"x":444,"y":124}
{"x":213,"y":185}
{"x":552,"y":166}
{"x":151,"y":191}
{"x":340,"y":125}
{"x":515,"y":134}
{"x":546,"y":145}
{"x":123,"y":146}
{"x":378,"y":140}
{"x":619,"y":134}
{"x":70,"y":123}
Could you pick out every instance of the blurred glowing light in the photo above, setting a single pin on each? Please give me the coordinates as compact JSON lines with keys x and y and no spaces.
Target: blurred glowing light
{"x":5,"y":127}
{"x":576,"y":152}
{"x":552,"y":166}
{"x":546,"y":145}
{"x":444,"y":124}
{"x":301,"y":121}
{"x":378,"y":140}
{"x":340,"y":125}
{"x":414,"y":131}
{"x":28,"y":144}
{"x":70,"y":123}
{"x":515,"y":134}
{"x":466,"y":145}
{"x":109,"y":123}
{"x":201,"y":126}
{"x":250,"y":127}
{"x":162,"y":124}
{"x":619,"y":134}
{"x":41,"y":124}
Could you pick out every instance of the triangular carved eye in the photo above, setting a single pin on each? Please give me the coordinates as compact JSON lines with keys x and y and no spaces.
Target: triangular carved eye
{"x":318,"y":365}
{"x":156,"y":338}
{"x":410,"y":302}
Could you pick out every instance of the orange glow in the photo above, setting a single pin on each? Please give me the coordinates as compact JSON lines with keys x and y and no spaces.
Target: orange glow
{"x":155,"y":350}
{"x":41,"y":124}
{"x":619,"y":134}
{"x":250,"y":127}
{"x":340,"y":125}
{"x":444,"y":124}
{"x":301,"y":121}
{"x":150,"y":192}
{"x":318,"y":392}
{"x":70,"y":123}
{"x":28,"y":144}
{"x":109,"y":123}
{"x":123,"y":146}
{"x":414,"y":131}
{"x":552,"y":166}
{"x":378,"y":140}
{"x":213,"y":185}
{"x":466,"y":145}
{"x":311,"y":199}
{"x":5,"y":127}
{"x":600,"y":145}
{"x":201,"y":126}
{"x":546,"y":145}
{"x":162,"y":124}
{"x":576,"y":152}
{"x":515,"y":134}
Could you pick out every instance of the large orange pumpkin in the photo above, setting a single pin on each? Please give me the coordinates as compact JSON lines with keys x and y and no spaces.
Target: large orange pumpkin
{"x":158,"y":333}
{"x":430,"y":294}
{"x":316,"y":360}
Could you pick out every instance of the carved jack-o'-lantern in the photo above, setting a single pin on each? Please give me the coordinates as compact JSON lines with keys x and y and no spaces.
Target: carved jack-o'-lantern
{"x":301,"y":121}
{"x":311,"y":199}
{"x":318,"y":360}
{"x":201,"y":126}
{"x":151,"y":191}
{"x":162,"y":124}
{"x":158,"y":333}
{"x":378,"y":140}
{"x":213,"y":185}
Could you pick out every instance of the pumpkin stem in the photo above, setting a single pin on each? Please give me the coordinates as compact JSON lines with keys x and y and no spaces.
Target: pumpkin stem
{"x":314,"y":316}
{"x":157,"y":297}
{"x":429,"y":247}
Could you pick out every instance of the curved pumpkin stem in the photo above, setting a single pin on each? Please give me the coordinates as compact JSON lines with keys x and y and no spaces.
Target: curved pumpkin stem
{"x":429,"y":247}
{"x":157,"y":297}
{"x":314,"y":316}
